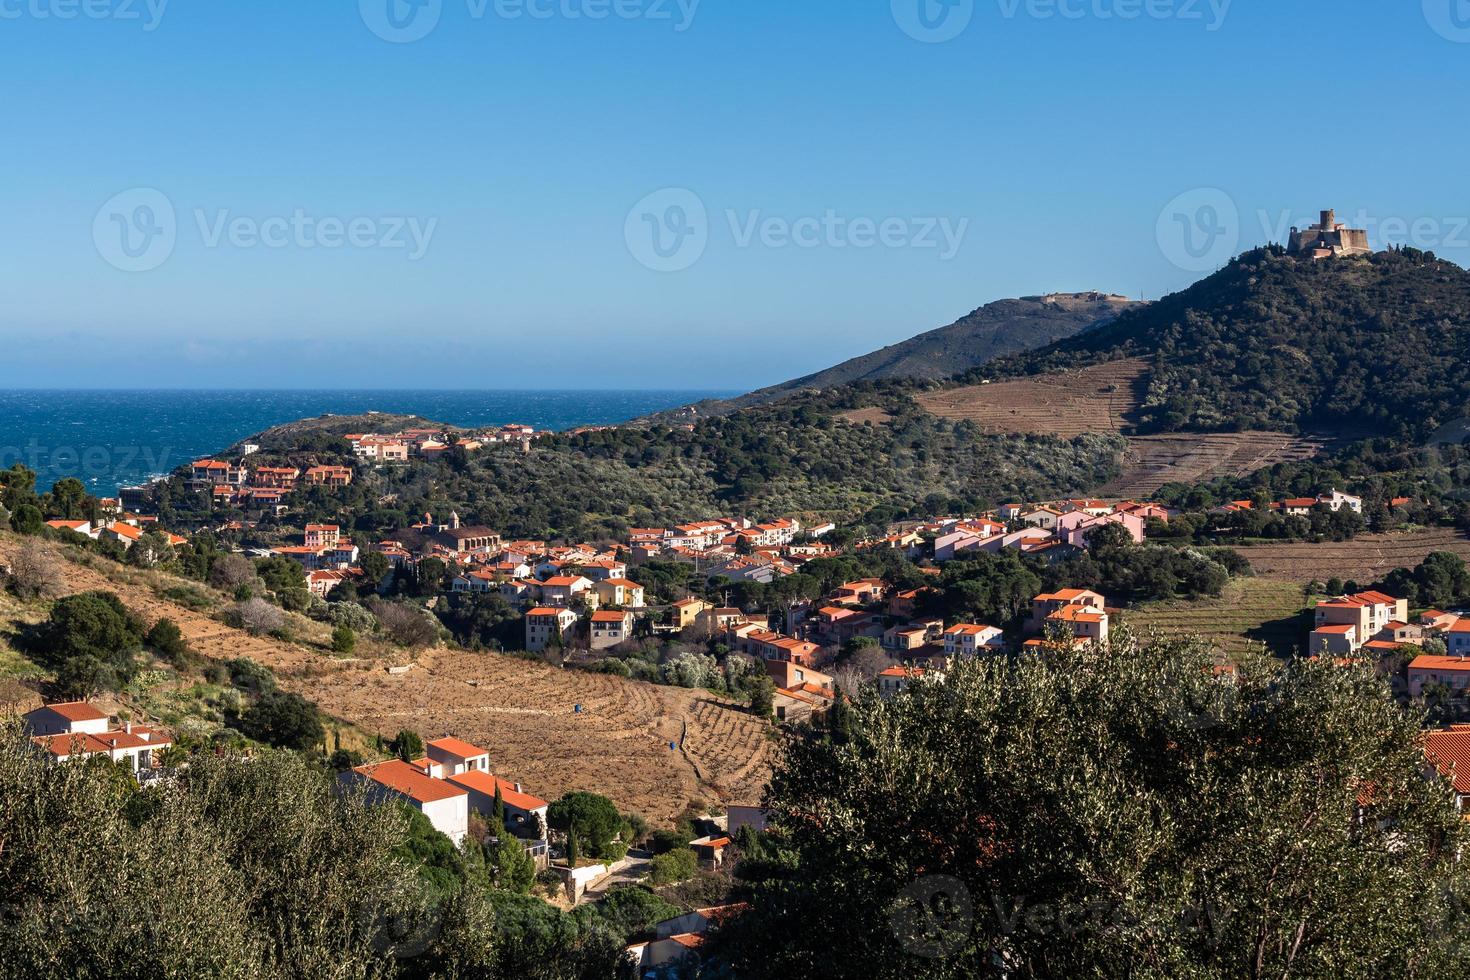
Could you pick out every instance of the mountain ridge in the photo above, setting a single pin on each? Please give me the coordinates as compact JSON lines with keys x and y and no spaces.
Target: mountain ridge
{"x":997,"y":329}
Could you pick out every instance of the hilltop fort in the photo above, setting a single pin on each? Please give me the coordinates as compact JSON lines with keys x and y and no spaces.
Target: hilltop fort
{"x":1328,"y":239}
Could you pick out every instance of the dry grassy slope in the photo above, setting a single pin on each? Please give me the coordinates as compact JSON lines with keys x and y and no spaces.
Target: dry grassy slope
{"x":523,"y":712}
{"x":1250,"y":612}
{"x":1104,"y":399}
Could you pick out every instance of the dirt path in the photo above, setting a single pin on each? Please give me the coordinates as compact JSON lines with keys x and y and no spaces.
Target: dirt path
{"x":524,"y":712}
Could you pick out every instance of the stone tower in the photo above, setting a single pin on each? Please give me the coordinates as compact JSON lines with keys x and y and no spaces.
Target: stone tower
{"x":1328,"y":239}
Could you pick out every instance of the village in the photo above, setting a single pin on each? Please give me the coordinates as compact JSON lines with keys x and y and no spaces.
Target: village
{"x":580,"y":602}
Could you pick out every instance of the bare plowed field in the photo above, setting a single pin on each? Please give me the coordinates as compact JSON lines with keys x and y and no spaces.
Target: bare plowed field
{"x":1364,"y":559}
{"x":524,"y":712}
{"x":1152,"y":461}
{"x":1096,"y":399}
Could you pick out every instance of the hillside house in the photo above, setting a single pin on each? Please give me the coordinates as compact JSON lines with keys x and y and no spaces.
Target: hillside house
{"x":546,"y":626}
{"x":322,"y":535}
{"x":275,"y":477}
{"x":895,"y":680}
{"x":453,"y":756}
{"x":1369,"y":613}
{"x":1447,"y":753}
{"x":1457,"y":638}
{"x":609,"y":628}
{"x":329,"y":476}
{"x":619,"y":592}
{"x":79,"y":730}
{"x":972,"y":639}
{"x":1044,"y":605}
{"x":1451,"y":671}
{"x":685,"y":611}
{"x":444,"y":804}
{"x":1334,"y":640}
{"x":525,"y":815}
{"x":1086,"y":624}
{"x":561,"y":590}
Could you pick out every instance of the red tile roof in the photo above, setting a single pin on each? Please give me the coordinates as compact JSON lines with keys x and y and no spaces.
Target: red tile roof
{"x":462,"y":749}
{"x":401,"y":777}
{"x":487,"y":783}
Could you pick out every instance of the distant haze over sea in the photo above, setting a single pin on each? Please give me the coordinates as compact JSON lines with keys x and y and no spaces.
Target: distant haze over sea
{"x":114,"y":438}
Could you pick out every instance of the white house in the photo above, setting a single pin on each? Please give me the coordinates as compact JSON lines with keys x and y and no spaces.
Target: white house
{"x":454,"y":756}
{"x":77,"y":730}
{"x":970,"y":639}
{"x":443,"y":803}
{"x":525,"y":815}
{"x":546,"y":624}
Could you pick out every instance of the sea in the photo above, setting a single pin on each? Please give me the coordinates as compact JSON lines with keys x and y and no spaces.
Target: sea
{"x":109,"y":439}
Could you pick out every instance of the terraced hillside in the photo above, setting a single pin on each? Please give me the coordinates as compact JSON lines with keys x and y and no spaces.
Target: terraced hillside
{"x":1152,"y":461}
{"x":1364,"y":559}
{"x":1098,"y":399}
{"x":524,"y":712}
{"x":1250,"y":612}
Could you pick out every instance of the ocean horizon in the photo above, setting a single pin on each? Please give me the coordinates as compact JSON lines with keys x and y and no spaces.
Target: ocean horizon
{"x":110,"y":438}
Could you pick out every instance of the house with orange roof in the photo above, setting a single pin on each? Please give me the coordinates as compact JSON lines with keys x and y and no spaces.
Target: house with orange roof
{"x":444,"y":804}
{"x":525,"y":814}
{"x":329,"y":476}
{"x":972,"y":639}
{"x":1369,"y":613}
{"x":547,"y":626}
{"x":1086,"y":624}
{"x":560,"y":590}
{"x":619,"y":592}
{"x":80,"y":730}
{"x":1334,"y":640}
{"x":124,"y":534}
{"x":1457,"y":637}
{"x":276,"y":477}
{"x":678,"y":943}
{"x":895,"y":680}
{"x":1447,"y":754}
{"x":322,"y":535}
{"x":453,"y":756}
{"x":1044,"y":605}
{"x":686,"y":611}
{"x":1450,"y":670}
{"x":609,"y":628}
{"x":78,"y":527}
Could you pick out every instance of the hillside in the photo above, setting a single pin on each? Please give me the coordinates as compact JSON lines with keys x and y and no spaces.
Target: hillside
{"x":523,"y":712}
{"x":1378,"y":344}
{"x":1008,"y":326}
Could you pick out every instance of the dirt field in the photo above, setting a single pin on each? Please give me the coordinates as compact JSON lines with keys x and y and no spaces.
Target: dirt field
{"x":1251,"y":611}
{"x":1095,"y":399}
{"x":523,"y":712}
{"x":1152,"y":461}
{"x":1365,"y":559}
{"x":860,"y":415}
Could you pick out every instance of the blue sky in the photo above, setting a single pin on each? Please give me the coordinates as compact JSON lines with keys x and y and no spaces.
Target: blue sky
{"x":307,"y":204}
